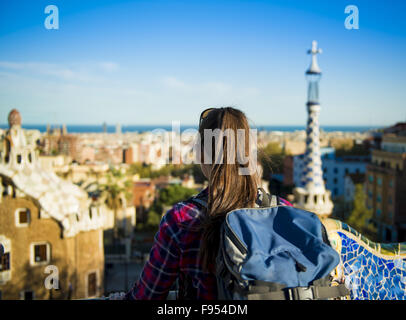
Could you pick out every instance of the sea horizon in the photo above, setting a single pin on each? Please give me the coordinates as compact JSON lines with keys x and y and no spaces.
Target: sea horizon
{"x":93,"y":128}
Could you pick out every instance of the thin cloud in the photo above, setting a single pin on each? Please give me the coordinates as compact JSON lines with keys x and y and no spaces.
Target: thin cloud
{"x":58,"y":71}
{"x":174,"y":83}
{"x":208,"y":88}
{"x":109,"y":66}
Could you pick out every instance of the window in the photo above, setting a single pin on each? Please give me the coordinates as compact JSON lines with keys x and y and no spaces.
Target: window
{"x":40,"y":253}
{"x":335,"y":180}
{"x":378,"y":198}
{"x":371,"y":178}
{"x":379,"y":181}
{"x":378,"y":213}
{"x":335,"y":170}
{"x":5,"y":262}
{"x":23,"y":217}
{"x":391,"y":183}
{"x":19,"y":158}
{"x":92,"y":284}
{"x":346,"y":171}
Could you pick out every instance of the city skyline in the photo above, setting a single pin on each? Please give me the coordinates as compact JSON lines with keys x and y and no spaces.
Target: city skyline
{"x":150,"y":63}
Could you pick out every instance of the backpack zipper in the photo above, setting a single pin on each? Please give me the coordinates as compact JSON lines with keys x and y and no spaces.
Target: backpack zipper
{"x":238,"y":243}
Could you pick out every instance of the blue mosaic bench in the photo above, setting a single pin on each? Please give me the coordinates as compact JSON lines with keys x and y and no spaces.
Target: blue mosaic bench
{"x":371,"y":271}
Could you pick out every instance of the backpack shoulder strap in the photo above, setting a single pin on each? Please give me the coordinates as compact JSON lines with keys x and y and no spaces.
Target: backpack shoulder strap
{"x":266,"y":200}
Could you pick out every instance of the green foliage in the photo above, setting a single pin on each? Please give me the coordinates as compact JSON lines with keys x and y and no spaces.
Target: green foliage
{"x":193,"y":169}
{"x":143,"y":170}
{"x":167,"y":198}
{"x":175,"y":193}
{"x":116,"y":184}
{"x":271,"y":158}
{"x":360,"y":216}
{"x":272,"y":148}
{"x":153,"y":219}
{"x":146,"y":171}
{"x":355,"y":150}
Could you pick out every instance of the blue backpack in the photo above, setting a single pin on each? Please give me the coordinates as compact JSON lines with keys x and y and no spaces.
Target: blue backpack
{"x":275,"y":252}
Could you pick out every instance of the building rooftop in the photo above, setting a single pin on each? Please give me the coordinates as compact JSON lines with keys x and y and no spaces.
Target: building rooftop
{"x":57,"y":198}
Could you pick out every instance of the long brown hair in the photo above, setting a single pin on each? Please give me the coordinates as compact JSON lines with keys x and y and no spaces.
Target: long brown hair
{"x":227,"y":189}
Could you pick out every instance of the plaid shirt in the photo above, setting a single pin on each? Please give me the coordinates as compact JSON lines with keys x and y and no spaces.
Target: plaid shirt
{"x":175,"y":254}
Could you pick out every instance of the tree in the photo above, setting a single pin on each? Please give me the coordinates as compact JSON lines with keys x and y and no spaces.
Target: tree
{"x":360,"y":217}
{"x":179,"y":170}
{"x":117,"y":185}
{"x":271,"y":158}
{"x":353,"y":150}
{"x":154,"y":219}
{"x":166,"y":199}
{"x":175,"y":193}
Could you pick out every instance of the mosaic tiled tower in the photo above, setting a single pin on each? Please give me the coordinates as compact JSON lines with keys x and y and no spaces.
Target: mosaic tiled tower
{"x":312,"y":195}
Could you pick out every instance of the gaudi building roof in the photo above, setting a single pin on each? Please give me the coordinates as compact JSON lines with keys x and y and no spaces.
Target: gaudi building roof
{"x":56,"y":198}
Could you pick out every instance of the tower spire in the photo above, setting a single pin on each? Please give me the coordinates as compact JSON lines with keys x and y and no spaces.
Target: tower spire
{"x":312,"y":195}
{"x":314,"y":67}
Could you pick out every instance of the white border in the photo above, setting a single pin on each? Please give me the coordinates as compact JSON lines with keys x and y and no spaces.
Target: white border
{"x":17,"y":218}
{"x":6,"y":275}
{"x":32,"y":253}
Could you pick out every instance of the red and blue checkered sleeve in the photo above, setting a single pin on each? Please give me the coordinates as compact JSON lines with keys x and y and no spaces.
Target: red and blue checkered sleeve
{"x":285,"y":202}
{"x":161,"y":270}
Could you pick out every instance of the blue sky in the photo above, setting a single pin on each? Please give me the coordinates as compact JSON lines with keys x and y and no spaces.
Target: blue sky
{"x":152,"y":62}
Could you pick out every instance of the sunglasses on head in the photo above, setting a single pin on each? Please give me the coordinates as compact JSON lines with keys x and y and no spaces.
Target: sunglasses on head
{"x":206,"y":112}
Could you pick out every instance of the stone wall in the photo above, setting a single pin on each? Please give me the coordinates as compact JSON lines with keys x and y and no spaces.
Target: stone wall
{"x":74,"y":257}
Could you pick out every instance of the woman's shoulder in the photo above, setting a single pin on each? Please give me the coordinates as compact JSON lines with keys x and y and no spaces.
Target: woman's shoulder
{"x":189,"y":210}
{"x":192,"y":209}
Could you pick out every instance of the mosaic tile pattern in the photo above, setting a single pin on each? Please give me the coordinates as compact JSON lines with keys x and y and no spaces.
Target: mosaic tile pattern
{"x":60,"y":199}
{"x":371,"y":271}
{"x":312,"y":173}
